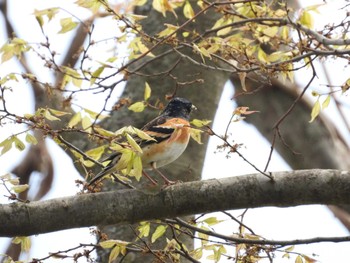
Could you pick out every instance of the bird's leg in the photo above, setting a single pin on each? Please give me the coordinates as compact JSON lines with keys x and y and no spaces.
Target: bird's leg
{"x":166,"y":180}
{"x":149,"y":178}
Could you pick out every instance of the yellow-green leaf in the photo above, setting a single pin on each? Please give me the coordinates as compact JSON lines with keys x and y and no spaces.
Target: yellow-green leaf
{"x":133,"y":143}
{"x":49,"y":116}
{"x":59,"y":113}
{"x":144,"y":228}
{"x":168,"y":30}
{"x":67,"y":24}
{"x":262,"y":55}
{"x":197,"y":253}
{"x":147,"y":93}
{"x":74,"y":120}
{"x":299,"y":259}
{"x":107,"y":243}
{"x":31,"y":139}
{"x":125,"y":159}
{"x":114,"y":254}
{"x":137,"y":106}
{"x":94,"y":115}
{"x":13,"y":181}
{"x":20,"y":188}
{"x":285,"y":33}
{"x":49,"y":13}
{"x":289,"y":249}
{"x":95,"y":153}
{"x":196,"y":135}
{"x":326,"y":102}
{"x":203,"y":237}
{"x":200,"y":123}
{"x":212,"y":221}
{"x":137,"y":164}
{"x":144,"y":136}
{"x":96,"y":74}
{"x":315,"y":110}
{"x":93,"y":5}
{"x":188,"y":10}
{"x":18,"y":143}
{"x":162,"y":6}
{"x":160,"y":230}
{"x":306,"y":19}
{"x":6,"y":145}
{"x":103,"y":132}
{"x":86,"y":123}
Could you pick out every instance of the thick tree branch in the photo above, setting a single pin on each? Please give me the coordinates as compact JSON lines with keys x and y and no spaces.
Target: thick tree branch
{"x":129,"y":206}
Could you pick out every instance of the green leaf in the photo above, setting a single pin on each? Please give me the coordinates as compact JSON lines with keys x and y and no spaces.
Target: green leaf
{"x":144,"y":229}
{"x":200,"y":123}
{"x":59,"y":113}
{"x":315,"y":110}
{"x":18,"y":143}
{"x":114,"y":254}
{"x":299,"y":259}
{"x":108,"y":243}
{"x":212,"y":221}
{"x":94,"y":115}
{"x":306,"y":19}
{"x":49,"y":13}
{"x":144,"y":136}
{"x":326,"y":102}
{"x":137,"y":165}
{"x":147,"y":93}
{"x":20,"y":188}
{"x":6,"y":145}
{"x":49,"y":116}
{"x":67,"y":24}
{"x":74,"y":120}
{"x":160,"y":230}
{"x":196,"y":135}
{"x":289,"y":249}
{"x":125,"y":159}
{"x":188,"y":11}
{"x":170,"y":29}
{"x":137,"y":106}
{"x":95,"y":153}
{"x":133,"y":143}
{"x":197,"y":253}
{"x":86,"y":123}
{"x":103,"y":132}
{"x":31,"y":139}
{"x":93,"y":5}
{"x":16,"y":47}
{"x":96,"y":74}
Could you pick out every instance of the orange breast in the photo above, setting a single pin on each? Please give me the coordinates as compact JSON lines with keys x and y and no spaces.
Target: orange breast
{"x":168,"y":150}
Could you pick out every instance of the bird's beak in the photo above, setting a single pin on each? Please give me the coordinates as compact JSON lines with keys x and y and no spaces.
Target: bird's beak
{"x":193,"y":107}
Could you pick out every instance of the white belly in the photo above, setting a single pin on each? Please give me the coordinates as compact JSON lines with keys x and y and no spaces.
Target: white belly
{"x":171,"y":152}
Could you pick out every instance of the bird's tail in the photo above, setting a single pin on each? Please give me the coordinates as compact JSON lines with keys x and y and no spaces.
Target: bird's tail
{"x":99,"y":176}
{"x":110,"y":168}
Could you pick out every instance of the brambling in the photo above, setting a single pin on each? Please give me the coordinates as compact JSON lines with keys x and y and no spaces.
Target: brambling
{"x":171,"y":134}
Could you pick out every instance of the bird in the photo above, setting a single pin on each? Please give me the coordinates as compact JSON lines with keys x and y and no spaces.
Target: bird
{"x":170,"y":132}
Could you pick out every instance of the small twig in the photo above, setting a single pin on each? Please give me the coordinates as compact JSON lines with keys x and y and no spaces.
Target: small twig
{"x":262,"y":241}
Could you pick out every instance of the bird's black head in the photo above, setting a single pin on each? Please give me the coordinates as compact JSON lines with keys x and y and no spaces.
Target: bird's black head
{"x":179,"y":107}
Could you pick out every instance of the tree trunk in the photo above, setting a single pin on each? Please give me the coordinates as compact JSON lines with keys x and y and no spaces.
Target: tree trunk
{"x":170,"y":74}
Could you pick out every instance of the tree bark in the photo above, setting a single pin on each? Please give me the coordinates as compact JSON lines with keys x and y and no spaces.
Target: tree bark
{"x":171,"y":74}
{"x":128,"y":206}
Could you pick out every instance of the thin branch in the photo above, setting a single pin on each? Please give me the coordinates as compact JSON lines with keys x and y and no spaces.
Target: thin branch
{"x":239,"y":240}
